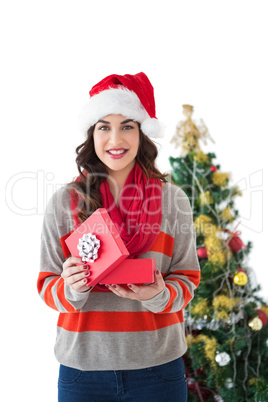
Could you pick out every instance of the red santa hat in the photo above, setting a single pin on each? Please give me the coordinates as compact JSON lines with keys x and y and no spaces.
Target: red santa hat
{"x":129,"y":95}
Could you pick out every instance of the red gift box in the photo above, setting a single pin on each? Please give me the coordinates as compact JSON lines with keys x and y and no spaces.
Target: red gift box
{"x":131,"y":271}
{"x":99,"y":244}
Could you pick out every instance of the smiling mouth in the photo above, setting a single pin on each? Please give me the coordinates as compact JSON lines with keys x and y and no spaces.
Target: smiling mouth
{"x":121,"y":151}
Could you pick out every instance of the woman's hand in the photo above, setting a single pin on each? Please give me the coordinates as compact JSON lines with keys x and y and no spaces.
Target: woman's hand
{"x":142,"y":292}
{"x":75,"y":274}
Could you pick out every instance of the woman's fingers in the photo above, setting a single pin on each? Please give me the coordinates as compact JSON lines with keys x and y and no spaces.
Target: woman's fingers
{"x":76,"y":277}
{"x":80,"y":286}
{"x":74,"y":274}
{"x":141,"y":292}
{"x":72,"y":261}
{"x":72,"y":270}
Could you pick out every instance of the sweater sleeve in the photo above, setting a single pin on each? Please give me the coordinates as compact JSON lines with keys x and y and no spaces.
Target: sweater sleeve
{"x":183,"y":275}
{"x":57,"y":225}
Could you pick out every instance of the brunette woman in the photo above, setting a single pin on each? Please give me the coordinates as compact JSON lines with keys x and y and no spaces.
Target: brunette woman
{"x":121,"y":343}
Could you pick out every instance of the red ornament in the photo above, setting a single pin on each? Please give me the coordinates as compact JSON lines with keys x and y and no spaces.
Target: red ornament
{"x":235,"y":243}
{"x":262,"y":316}
{"x":213,"y":168}
{"x":202,"y":252}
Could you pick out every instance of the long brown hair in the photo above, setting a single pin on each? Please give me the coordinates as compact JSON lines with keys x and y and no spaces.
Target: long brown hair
{"x":93,"y":172}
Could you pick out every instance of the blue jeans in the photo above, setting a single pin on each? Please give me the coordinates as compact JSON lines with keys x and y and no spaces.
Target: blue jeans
{"x":166,"y":382}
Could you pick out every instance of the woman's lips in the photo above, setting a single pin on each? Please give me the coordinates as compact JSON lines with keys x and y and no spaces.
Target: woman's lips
{"x":117,"y":156}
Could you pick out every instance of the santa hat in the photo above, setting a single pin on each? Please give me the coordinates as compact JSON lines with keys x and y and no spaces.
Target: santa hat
{"x":129,"y":95}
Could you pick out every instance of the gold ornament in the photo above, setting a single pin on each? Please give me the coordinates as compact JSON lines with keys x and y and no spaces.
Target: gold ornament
{"x":188,"y":133}
{"x":255,"y":324}
{"x":240,"y":278}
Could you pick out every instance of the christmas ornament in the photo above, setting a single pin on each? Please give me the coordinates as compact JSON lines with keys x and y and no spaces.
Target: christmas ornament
{"x":200,"y":323}
{"x":213,"y":325}
{"x":257,"y":323}
{"x":229,"y":383}
{"x":213,"y":168}
{"x":222,"y":358}
{"x":240,"y":278}
{"x":234,"y":241}
{"x":218,"y":398}
{"x":202,"y":252}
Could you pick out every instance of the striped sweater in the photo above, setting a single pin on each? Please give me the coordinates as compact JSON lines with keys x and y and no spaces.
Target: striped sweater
{"x":97,"y":330}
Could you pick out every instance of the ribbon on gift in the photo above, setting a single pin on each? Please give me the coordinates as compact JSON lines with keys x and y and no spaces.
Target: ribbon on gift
{"x":88,"y":247}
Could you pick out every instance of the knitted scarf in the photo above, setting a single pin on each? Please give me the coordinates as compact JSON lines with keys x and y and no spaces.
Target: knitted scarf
{"x":139,"y":213}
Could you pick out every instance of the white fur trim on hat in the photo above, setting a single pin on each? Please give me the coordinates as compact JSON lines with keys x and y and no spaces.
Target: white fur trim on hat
{"x":117,"y":101}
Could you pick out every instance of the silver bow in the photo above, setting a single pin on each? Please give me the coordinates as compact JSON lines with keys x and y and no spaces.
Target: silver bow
{"x":88,"y":247}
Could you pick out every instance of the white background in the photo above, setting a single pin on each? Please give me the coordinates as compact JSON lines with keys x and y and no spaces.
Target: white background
{"x":210,"y":54}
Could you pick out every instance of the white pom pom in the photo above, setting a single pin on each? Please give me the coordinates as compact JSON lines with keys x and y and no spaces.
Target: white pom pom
{"x":153,"y":128}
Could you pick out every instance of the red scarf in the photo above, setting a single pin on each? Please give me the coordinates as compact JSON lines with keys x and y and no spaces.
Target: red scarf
{"x":139,"y":214}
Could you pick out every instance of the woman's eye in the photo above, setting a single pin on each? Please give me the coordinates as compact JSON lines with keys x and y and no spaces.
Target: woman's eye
{"x":128,"y":128}
{"x":103,"y":128}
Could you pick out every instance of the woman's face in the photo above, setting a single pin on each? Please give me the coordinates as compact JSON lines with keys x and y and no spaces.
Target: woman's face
{"x":116,"y":142}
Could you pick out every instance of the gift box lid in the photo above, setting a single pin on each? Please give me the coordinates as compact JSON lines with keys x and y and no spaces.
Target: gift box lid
{"x":99,"y":244}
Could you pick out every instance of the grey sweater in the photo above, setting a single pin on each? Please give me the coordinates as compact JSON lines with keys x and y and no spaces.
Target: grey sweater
{"x":97,"y":330}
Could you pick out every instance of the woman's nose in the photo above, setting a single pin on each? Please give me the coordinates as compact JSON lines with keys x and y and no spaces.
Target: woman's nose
{"x":115,"y":137}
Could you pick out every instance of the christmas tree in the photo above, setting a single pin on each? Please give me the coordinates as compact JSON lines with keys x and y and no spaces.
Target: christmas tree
{"x":226,"y":322}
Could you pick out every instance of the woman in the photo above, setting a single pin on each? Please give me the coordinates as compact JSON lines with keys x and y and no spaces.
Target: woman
{"x":121,"y":343}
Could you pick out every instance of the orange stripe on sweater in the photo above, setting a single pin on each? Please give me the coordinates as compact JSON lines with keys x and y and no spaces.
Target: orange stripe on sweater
{"x":186,"y":293}
{"x":111,"y":321}
{"x":41,"y":279}
{"x":61,"y":297}
{"x":193,"y":276}
{"x":173,"y":295}
{"x":48,"y":298}
{"x":66,"y":251}
{"x":163,"y":244}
